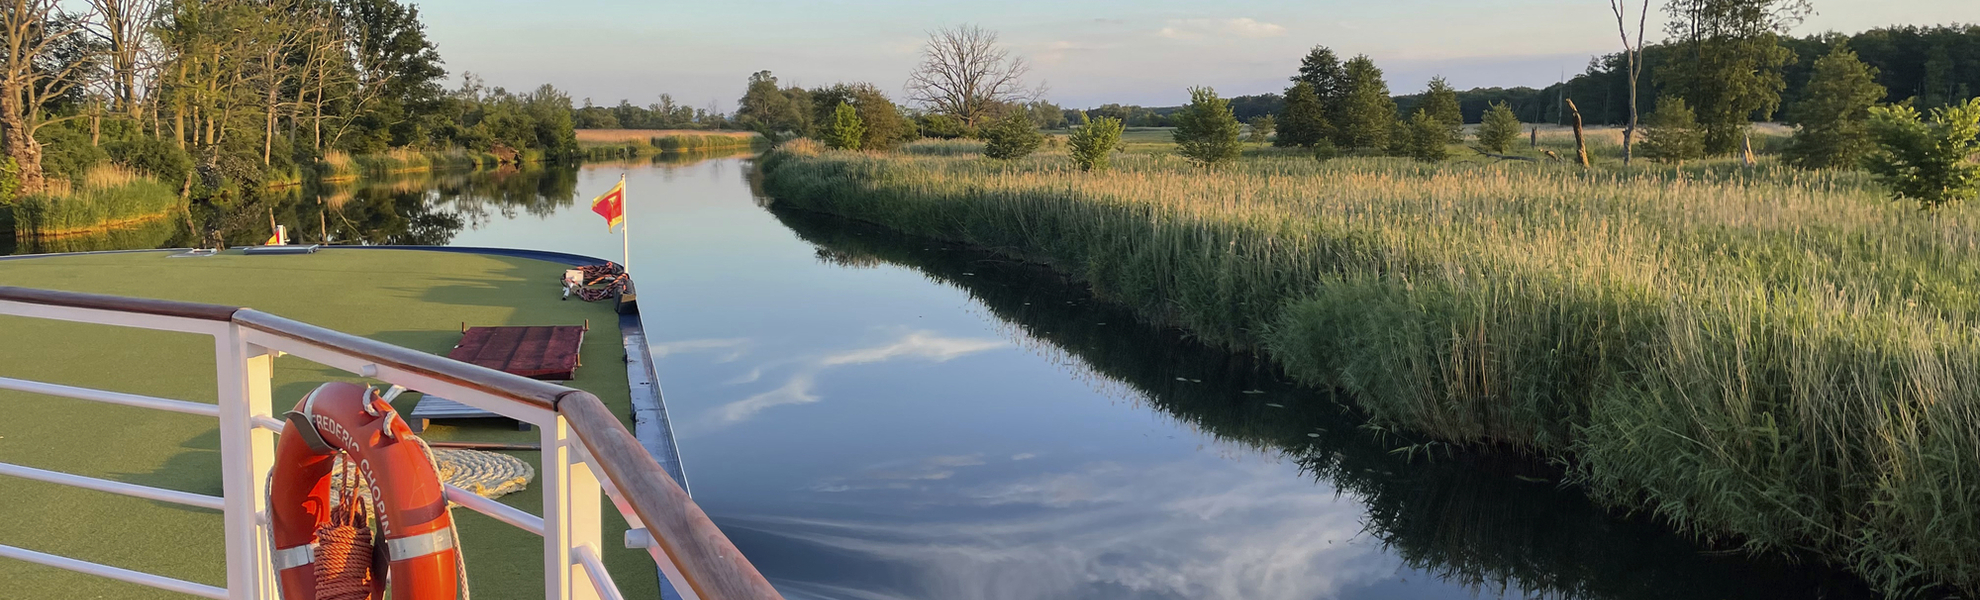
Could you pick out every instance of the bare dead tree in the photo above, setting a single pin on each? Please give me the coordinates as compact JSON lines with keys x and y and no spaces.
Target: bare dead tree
{"x":127,"y":25}
{"x":1633,"y":53}
{"x":33,"y":71}
{"x":965,"y":73}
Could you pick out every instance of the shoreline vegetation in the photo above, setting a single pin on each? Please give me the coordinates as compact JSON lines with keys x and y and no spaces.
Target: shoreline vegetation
{"x":612,"y":144}
{"x":108,"y":198}
{"x":1764,"y":357}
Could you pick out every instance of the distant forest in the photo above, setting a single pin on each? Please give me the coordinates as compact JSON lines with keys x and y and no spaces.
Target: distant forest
{"x":1932,"y":66}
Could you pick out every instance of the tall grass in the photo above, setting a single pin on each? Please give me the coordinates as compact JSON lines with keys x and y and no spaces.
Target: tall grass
{"x":605,"y":144}
{"x":338,"y":166}
{"x":107,"y":197}
{"x":1777,"y":358}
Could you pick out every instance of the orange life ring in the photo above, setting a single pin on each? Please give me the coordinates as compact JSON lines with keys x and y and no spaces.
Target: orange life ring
{"x":412,"y":509}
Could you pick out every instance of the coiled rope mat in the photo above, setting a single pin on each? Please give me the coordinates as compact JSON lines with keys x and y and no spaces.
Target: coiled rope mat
{"x":487,"y":474}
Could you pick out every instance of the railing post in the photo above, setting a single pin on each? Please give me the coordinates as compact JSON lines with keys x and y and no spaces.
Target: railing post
{"x":571,"y":500}
{"x":247,"y":454}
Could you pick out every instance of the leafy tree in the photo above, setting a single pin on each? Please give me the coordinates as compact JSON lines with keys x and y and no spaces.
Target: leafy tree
{"x":1306,"y":122}
{"x":1206,"y":131}
{"x":1834,"y":113}
{"x":1671,"y":134}
{"x":1046,"y":115}
{"x":1932,"y":163}
{"x":1441,"y":103}
{"x":1013,"y":137}
{"x":1367,"y":112}
{"x":944,"y":127}
{"x":885,"y":127}
{"x":1322,"y":70}
{"x":1500,"y":128}
{"x":766,"y":109}
{"x":1262,"y":128}
{"x":844,"y":131}
{"x":1093,"y":141}
{"x":1729,"y":66}
{"x":1428,"y":136}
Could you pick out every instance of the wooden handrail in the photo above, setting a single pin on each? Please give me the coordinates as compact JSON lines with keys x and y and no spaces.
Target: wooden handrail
{"x":699,"y":550}
{"x":507,"y":385}
{"x":146,"y":306}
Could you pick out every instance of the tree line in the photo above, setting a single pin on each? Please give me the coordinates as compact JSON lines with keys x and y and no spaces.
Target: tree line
{"x":212,"y":93}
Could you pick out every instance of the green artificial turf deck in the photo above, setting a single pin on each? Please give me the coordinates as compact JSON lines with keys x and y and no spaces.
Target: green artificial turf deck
{"x":416,"y":299}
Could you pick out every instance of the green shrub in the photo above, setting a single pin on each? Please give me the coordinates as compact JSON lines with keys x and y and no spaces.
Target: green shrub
{"x":1671,"y":133}
{"x":1834,"y":113}
{"x":1928,"y":162}
{"x":845,"y":130}
{"x":1441,"y":102}
{"x":1262,"y":127}
{"x":1427,"y":137}
{"x":160,"y":159}
{"x":66,"y":152}
{"x":1499,"y":130}
{"x":1013,"y":137}
{"x":1324,"y":150}
{"x":945,"y":127}
{"x":1093,"y":141}
{"x":1206,"y":130}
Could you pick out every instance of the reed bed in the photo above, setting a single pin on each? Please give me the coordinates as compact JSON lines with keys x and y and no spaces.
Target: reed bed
{"x":604,"y":144}
{"x":338,"y":166}
{"x":1771,"y":358}
{"x":107,"y":197}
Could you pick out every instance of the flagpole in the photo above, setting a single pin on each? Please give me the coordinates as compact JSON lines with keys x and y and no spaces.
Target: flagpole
{"x":625,"y":226}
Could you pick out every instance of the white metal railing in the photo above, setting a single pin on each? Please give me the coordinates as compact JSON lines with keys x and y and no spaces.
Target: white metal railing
{"x":575,"y":433}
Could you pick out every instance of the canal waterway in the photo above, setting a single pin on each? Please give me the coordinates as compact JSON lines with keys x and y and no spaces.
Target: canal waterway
{"x":871,"y":416}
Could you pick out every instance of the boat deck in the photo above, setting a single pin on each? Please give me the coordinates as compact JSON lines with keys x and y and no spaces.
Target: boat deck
{"x":413,"y":298}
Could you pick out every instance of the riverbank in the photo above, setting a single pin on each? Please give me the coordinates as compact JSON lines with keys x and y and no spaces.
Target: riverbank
{"x":609,"y":144}
{"x":1781,"y":359}
{"x":1484,"y":520}
{"x":337,"y":167}
{"x":105,"y":200}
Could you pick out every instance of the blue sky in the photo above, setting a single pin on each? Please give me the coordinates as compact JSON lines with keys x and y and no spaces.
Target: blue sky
{"x":1087,"y":52}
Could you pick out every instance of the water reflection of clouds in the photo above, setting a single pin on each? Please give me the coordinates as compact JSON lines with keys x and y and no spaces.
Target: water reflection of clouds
{"x":726,"y":350}
{"x":801,"y":387}
{"x":1194,"y":529}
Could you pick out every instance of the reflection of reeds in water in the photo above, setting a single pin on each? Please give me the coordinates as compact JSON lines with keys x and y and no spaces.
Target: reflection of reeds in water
{"x":1778,"y":355}
{"x":1485,"y":520}
{"x":166,"y":232}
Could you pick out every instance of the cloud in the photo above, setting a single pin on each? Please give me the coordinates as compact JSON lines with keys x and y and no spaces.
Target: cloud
{"x":919,"y":344}
{"x":1243,"y":27}
{"x":729,"y":348}
{"x":795,"y":391}
{"x":891,"y":474}
{"x":1178,"y":530}
{"x":799,"y":389}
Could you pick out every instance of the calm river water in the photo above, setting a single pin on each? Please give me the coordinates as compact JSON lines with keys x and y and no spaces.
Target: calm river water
{"x":875,"y":417}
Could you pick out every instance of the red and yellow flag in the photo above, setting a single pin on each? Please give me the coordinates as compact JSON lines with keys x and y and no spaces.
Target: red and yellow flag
{"x":612,"y":206}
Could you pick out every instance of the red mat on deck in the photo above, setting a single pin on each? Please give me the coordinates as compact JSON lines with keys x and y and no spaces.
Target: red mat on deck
{"x":548,"y":353}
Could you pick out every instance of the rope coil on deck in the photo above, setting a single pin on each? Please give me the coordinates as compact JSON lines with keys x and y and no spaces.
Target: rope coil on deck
{"x":487,"y":474}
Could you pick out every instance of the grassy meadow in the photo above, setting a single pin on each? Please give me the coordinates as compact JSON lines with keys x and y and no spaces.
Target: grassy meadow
{"x":1765,"y":357}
